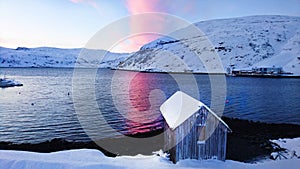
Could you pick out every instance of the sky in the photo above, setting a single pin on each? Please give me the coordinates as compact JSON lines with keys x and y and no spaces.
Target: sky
{"x":71,"y":23}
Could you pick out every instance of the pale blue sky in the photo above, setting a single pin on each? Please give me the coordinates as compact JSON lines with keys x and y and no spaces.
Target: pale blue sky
{"x":71,"y":23}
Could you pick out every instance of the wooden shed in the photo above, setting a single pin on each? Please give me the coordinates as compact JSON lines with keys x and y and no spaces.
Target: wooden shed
{"x":192,"y":130}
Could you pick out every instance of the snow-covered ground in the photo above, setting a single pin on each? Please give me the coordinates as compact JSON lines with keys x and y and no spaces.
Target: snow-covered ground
{"x":289,"y":144}
{"x":88,"y":158}
{"x":291,"y":148}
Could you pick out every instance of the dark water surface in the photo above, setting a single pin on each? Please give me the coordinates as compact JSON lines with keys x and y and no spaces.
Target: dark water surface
{"x":44,"y":109}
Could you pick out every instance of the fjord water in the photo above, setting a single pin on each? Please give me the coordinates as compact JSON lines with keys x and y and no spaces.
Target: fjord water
{"x":43,"y":109}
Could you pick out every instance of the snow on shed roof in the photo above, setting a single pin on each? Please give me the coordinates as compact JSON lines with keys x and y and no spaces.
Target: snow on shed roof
{"x":180,"y":106}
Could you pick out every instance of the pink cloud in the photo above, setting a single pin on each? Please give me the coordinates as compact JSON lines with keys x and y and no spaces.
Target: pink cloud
{"x":135,"y":7}
{"x":166,"y":6}
{"x":162,"y":6}
{"x":134,"y":42}
{"x":75,"y":1}
{"x":89,"y":2}
{"x":143,"y":6}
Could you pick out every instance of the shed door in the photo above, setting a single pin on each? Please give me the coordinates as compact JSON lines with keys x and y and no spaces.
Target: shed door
{"x":201,"y":142}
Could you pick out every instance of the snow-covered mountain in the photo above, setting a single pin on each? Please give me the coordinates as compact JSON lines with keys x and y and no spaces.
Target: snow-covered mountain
{"x":241,"y":43}
{"x":56,"y":57}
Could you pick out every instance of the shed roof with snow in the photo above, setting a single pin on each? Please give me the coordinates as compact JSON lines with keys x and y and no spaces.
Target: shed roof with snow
{"x":180,"y":106}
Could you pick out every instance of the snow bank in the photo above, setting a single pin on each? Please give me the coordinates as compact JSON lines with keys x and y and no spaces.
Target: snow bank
{"x":291,"y":146}
{"x":88,"y":158}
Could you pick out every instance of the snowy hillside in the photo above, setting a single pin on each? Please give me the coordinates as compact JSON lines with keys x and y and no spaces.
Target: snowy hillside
{"x":243,"y":42}
{"x":88,"y":158}
{"x":56,"y":57}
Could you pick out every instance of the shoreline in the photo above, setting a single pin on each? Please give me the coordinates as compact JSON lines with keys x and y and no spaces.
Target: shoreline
{"x":161,"y":72}
{"x":249,"y":141}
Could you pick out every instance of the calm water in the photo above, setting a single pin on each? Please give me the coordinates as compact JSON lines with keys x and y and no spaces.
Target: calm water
{"x":47,"y":106}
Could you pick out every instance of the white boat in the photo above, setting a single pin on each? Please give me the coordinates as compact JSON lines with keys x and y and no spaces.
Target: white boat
{"x":4,"y":82}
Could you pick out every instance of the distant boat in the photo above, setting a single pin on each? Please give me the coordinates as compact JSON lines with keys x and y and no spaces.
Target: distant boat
{"x":4,"y":82}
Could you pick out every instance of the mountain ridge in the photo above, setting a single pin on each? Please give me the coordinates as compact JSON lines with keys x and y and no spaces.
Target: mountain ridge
{"x":239,"y":43}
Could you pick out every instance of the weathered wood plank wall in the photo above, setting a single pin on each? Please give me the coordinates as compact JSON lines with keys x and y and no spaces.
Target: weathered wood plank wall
{"x":200,"y":137}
